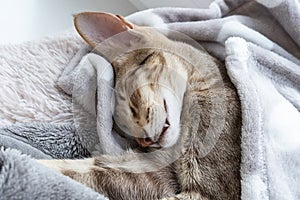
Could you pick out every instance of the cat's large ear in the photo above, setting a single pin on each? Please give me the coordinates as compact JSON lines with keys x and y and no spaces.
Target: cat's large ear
{"x":95,"y":27}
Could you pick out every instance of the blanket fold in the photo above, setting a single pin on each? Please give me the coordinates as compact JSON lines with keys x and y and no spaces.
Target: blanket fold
{"x":90,"y":82}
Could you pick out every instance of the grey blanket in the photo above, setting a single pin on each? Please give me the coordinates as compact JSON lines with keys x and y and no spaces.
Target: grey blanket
{"x":44,"y":140}
{"x":22,"y":178}
{"x":259,"y":43}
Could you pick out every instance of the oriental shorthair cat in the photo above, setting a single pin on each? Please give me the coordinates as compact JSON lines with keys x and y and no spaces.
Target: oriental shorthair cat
{"x":179,"y":106}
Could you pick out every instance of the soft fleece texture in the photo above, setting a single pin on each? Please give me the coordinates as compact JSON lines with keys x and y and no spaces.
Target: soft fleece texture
{"x":44,"y":140}
{"x":28,"y":76}
{"x":258,"y":40}
{"x":29,"y":93}
{"x":22,"y":178}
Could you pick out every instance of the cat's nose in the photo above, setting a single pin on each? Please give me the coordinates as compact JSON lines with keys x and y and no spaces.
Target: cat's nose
{"x":145,"y":142}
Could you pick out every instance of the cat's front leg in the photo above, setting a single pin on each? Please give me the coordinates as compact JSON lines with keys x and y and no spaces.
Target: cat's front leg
{"x":80,"y":165}
{"x":81,"y":170}
{"x":116,"y":183}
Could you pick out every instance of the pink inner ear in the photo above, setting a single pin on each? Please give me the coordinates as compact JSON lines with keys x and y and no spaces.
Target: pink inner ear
{"x":96,"y":27}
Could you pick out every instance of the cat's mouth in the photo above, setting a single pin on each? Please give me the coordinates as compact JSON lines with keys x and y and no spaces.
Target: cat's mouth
{"x":156,"y":141}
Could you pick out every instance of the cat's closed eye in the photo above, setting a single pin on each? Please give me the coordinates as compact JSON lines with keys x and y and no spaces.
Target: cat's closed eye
{"x":145,"y":59}
{"x":165,"y":105}
{"x":133,"y":111}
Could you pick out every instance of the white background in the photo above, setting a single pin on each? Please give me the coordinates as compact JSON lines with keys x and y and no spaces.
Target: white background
{"x":24,"y":20}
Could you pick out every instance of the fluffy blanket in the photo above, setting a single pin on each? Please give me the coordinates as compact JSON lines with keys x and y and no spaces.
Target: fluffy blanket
{"x":258,"y":41}
{"x":29,"y":94}
{"x":22,"y":178}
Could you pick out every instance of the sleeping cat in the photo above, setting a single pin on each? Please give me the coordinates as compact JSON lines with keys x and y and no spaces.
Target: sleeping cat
{"x":177,"y":103}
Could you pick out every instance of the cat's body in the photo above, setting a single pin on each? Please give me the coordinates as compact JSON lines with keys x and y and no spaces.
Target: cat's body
{"x":182,"y":109}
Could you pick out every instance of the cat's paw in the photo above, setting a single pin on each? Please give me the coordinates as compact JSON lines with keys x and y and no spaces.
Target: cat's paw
{"x":80,"y":165}
{"x":50,"y":164}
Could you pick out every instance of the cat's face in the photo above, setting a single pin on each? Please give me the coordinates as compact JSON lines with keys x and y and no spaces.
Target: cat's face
{"x":148,"y":97}
{"x":150,"y":77}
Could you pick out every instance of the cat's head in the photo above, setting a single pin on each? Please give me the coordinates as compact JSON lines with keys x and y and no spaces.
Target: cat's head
{"x":150,"y":78}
